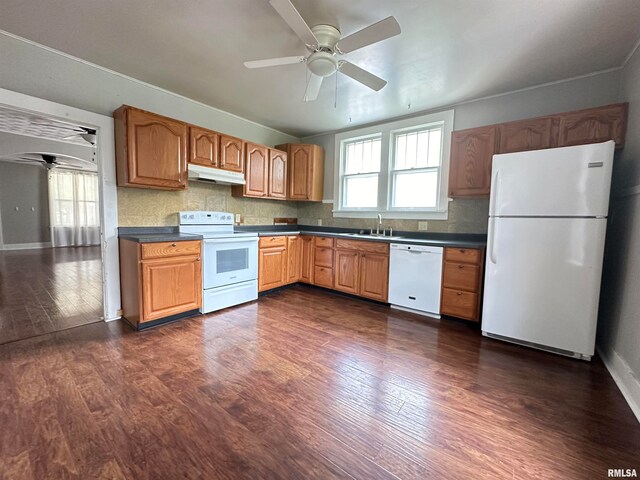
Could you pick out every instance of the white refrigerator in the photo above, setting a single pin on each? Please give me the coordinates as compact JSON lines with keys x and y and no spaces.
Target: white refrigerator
{"x":547,"y":223}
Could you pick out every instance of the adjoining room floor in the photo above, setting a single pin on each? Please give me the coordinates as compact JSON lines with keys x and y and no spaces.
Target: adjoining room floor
{"x":49,"y":289}
{"x":305,"y":384}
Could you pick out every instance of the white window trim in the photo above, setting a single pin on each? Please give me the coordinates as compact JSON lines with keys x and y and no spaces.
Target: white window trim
{"x":387,"y":130}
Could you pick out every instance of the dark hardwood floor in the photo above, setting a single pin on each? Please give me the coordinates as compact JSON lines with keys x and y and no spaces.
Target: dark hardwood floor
{"x":310,"y":385}
{"x":49,"y":289}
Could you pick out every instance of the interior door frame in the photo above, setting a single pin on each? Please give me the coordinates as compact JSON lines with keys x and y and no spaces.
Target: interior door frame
{"x":106,"y":163}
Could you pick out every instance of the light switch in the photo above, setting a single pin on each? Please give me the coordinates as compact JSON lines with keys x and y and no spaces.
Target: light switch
{"x":423,"y":225}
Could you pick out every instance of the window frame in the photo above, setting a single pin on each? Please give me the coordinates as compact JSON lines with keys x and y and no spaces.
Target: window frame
{"x":345,"y":176}
{"x":387,"y":133}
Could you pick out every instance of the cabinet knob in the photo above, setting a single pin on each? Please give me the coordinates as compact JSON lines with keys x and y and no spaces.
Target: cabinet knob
{"x":458,"y":293}
{"x":198,"y":259}
{"x":460,"y":266}
{"x":173,"y":244}
{"x":462,"y":250}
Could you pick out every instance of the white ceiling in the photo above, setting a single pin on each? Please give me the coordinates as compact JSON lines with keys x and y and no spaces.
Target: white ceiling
{"x":449,"y":51}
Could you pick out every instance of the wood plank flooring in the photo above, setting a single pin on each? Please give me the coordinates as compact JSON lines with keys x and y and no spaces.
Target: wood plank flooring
{"x":48,"y":289}
{"x":305,"y":384}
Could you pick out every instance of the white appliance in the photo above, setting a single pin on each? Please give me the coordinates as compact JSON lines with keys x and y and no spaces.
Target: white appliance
{"x":547,"y":223}
{"x":214,"y":175}
{"x":415,"y":276}
{"x":229,"y":259}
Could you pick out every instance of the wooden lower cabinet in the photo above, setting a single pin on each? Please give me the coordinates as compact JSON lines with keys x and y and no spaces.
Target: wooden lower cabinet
{"x":374,"y":276}
{"x":294,"y":258}
{"x":272,"y":267}
{"x":347,"y":271}
{"x":306,"y":259}
{"x":159,"y":280}
{"x":462,"y":283}
{"x":323,"y":262}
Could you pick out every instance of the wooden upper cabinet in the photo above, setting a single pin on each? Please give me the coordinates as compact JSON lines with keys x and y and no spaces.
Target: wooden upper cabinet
{"x":231,"y":153}
{"x":257,"y":169}
{"x":277,"y":187}
{"x":532,"y":134}
{"x":347,"y":271}
{"x":594,"y":125}
{"x":203,"y":147}
{"x":151,"y":150}
{"x":305,"y":171}
{"x":374,"y":276}
{"x":471,"y":156}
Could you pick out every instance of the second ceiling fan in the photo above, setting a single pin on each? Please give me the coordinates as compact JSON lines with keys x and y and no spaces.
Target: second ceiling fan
{"x":325,"y":44}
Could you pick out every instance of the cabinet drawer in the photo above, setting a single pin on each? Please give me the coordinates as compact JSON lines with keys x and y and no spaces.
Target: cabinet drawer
{"x":170,"y":249}
{"x":461,"y":276}
{"x":463,"y":255}
{"x":458,"y":303}
{"x":363,"y":246}
{"x":323,"y":277}
{"x":324,"y":257}
{"x":324,"y":242}
{"x":276,"y":241}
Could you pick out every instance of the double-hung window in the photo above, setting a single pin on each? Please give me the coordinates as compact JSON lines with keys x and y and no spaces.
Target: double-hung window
{"x":399,"y":169}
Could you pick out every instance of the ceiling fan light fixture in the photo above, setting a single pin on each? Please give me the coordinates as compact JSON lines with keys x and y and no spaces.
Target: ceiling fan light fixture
{"x":322,"y":64}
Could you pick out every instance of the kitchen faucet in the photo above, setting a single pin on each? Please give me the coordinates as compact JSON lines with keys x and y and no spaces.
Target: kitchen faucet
{"x":379,"y":224}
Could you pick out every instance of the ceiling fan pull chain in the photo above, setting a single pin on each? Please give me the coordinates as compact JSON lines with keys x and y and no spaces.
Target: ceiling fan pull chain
{"x":335,"y":99}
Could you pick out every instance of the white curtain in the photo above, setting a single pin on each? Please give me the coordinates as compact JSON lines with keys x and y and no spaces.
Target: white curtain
{"x":74,"y":209}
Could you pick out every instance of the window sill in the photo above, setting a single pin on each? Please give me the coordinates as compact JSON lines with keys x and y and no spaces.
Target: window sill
{"x":391,"y":215}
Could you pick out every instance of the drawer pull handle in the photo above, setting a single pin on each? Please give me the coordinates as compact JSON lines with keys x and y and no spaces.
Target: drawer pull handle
{"x":458,"y":293}
{"x":173,"y":244}
{"x":460,"y":266}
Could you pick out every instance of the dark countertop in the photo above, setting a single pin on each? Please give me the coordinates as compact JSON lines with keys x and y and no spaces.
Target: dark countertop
{"x":421,"y":238}
{"x":154,"y":234}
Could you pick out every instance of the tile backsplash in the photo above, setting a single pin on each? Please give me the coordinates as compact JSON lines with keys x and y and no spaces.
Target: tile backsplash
{"x":138,"y":207}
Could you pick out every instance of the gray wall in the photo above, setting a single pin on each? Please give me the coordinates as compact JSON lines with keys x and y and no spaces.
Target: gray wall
{"x":619,"y":332}
{"x":32,"y":70}
{"x":25,"y":187}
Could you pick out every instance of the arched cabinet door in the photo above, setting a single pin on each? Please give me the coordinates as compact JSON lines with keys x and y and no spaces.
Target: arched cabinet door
{"x":203,"y":147}
{"x":231,"y":153}
{"x":151,"y":150}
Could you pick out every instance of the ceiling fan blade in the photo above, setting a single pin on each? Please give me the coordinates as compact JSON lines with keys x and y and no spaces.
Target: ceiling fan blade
{"x":313,"y":88}
{"x":293,"y":18}
{"x":360,"y":75}
{"x":274,"y":62}
{"x":375,"y":33}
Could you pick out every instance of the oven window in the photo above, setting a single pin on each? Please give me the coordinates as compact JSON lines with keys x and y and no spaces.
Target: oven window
{"x":232,"y":260}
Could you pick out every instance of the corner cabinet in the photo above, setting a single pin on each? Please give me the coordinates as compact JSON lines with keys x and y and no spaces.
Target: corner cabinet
{"x":594,"y":125}
{"x":471,"y":156}
{"x":265,"y":173}
{"x":159,"y":281}
{"x":305,"y":171}
{"x":151,"y":150}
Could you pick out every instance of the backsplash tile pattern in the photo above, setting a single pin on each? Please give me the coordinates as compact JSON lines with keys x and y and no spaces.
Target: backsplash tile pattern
{"x":138,"y":207}
{"x":465,"y":216}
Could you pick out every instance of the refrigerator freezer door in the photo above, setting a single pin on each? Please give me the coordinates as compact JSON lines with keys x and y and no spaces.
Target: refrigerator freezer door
{"x":569,"y":181}
{"x":542,"y":281}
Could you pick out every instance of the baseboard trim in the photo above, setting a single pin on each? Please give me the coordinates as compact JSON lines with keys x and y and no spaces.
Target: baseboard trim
{"x":621,"y":373}
{"x":26,"y":246}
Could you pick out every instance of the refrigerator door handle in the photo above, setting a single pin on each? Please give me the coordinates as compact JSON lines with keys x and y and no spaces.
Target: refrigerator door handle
{"x":495,"y":192}
{"x":492,"y":239}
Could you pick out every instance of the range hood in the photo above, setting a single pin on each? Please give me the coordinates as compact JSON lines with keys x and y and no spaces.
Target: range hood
{"x":215,"y":175}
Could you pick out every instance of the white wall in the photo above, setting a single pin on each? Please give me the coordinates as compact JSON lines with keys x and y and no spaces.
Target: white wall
{"x":619,"y":323}
{"x":33,"y":70}
{"x":585,"y":92}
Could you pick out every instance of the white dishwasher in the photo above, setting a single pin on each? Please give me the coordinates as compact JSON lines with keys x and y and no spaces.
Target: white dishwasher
{"x":415,"y":277}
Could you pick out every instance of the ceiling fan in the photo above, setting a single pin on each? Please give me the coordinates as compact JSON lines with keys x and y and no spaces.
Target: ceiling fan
{"x":85,"y":133}
{"x":48,"y":161}
{"x":324,"y":43}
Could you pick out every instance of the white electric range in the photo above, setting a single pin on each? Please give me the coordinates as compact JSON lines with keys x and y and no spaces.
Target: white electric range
{"x":229,"y":259}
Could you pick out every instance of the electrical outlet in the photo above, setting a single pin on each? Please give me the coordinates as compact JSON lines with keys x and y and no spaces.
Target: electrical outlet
{"x":319,"y":222}
{"x":238,"y":218}
{"x":423,"y":225}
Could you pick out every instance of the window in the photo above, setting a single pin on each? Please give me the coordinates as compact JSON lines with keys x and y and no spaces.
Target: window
{"x":399,"y":169}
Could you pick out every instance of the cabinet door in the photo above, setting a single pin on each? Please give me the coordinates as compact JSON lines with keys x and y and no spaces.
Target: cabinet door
{"x":170,"y":286}
{"x":594,"y":125}
{"x":203,"y":147}
{"x":306,"y":259}
{"x":300,"y":167}
{"x":257,"y":171}
{"x":294,"y":257}
{"x":347,"y":271}
{"x":156,"y":152}
{"x":374,"y":276}
{"x":277,"y":174}
{"x":471,"y":155}
{"x":231,"y":153}
{"x":272,"y":268}
{"x":533,"y":134}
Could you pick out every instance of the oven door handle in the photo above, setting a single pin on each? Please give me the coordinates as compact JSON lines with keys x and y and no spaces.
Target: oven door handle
{"x":215,"y":241}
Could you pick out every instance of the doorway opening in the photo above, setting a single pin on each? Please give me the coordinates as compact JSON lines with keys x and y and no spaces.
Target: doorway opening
{"x":51,"y":275}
